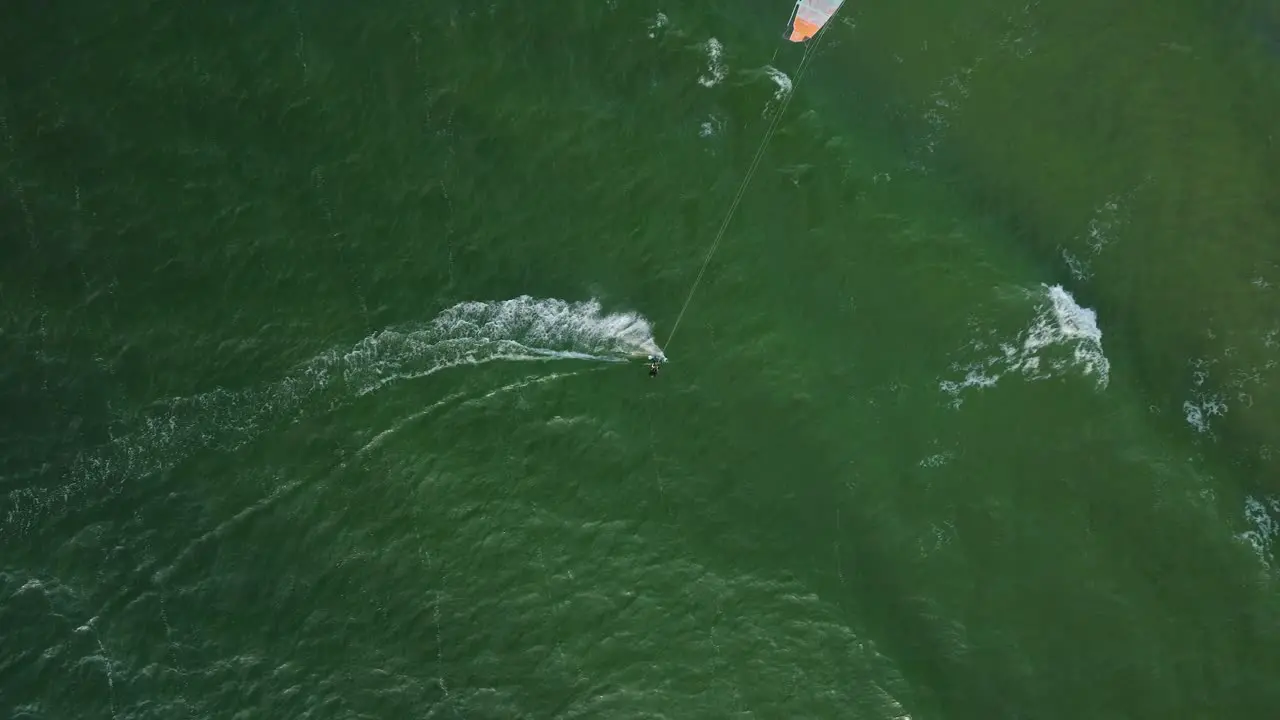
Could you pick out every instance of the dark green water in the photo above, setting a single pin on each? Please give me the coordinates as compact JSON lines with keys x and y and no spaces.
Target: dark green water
{"x":315,"y":337}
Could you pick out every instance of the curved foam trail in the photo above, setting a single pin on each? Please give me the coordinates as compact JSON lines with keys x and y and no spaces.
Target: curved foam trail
{"x":462,"y":397}
{"x":517,"y":327}
{"x":156,"y":438}
{"x":569,"y":355}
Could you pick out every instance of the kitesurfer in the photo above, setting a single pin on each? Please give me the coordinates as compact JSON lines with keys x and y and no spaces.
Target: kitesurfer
{"x":653,"y":366}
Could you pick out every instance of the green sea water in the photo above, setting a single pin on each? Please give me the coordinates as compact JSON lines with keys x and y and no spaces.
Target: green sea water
{"x":318,"y":338}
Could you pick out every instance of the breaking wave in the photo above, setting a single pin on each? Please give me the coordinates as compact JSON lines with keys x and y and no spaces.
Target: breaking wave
{"x":1062,"y":338}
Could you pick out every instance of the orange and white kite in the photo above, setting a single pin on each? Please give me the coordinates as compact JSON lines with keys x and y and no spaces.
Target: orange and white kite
{"x":809,"y":17}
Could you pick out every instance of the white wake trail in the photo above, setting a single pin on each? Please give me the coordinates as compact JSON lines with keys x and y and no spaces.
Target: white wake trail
{"x":160,"y":436}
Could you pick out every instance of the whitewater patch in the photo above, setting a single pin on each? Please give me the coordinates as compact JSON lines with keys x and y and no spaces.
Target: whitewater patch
{"x":1205,"y":403}
{"x":1225,"y":382}
{"x":953,"y":91}
{"x":656,"y":24}
{"x":716,"y":70}
{"x":781,"y":79}
{"x":711,"y":127}
{"x":1261,"y":515}
{"x":1062,"y":338}
{"x":782,"y":88}
{"x":1109,"y":219}
{"x":156,"y":438}
{"x":943,"y":102}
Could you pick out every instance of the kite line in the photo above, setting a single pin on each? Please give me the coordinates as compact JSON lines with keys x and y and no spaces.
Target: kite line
{"x":805,"y":61}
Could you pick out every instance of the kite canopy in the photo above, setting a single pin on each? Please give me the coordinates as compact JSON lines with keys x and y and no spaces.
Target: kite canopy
{"x":810,"y":16}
